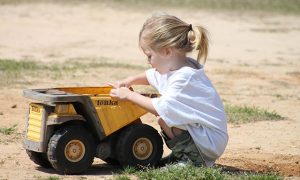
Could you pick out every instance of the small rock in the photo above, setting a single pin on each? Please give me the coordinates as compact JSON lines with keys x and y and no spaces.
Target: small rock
{"x":14,"y":106}
{"x":1,"y":113}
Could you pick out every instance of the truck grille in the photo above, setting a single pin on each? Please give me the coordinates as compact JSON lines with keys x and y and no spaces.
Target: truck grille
{"x":34,"y":122}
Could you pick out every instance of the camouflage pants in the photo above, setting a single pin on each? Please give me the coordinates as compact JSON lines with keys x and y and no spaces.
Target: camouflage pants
{"x":184,"y":148}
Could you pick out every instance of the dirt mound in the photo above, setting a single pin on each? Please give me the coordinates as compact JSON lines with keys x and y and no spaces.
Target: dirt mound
{"x":286,"y":165}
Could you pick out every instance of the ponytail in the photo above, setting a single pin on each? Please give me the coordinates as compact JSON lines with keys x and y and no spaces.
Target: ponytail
{"x":198,"y":37}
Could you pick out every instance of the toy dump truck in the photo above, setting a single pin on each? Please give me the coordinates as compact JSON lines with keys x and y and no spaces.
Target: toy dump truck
{"x":67,"y":127}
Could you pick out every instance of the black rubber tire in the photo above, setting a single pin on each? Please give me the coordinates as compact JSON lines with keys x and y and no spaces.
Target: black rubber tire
{"x":58,"y":143}
{"x":126,"y":142}
{"x":39,"y":158}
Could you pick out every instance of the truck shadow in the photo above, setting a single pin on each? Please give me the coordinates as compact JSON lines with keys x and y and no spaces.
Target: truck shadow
{"x":231,"y":170}
{"x":103,"y":169}
{"x":95,"y":169}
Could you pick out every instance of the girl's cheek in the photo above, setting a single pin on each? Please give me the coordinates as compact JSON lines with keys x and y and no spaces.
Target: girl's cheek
{"x":153,"y":63}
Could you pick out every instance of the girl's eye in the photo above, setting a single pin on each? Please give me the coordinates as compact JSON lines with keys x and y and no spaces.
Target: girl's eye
{"x":149,"y":58}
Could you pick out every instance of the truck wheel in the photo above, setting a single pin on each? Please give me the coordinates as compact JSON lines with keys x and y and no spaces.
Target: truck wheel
{"x":139,"y":144}
{"x":39,"y":158}
{"x":71,"y":150}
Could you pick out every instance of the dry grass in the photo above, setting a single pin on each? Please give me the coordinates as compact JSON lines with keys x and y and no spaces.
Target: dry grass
{"x":14,"y":72}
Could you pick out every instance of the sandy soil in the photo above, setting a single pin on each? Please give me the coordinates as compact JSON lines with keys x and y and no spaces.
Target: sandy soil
{"x":254,"y":60}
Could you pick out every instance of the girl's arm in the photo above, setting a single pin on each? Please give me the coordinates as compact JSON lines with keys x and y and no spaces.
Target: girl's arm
{"x":123,"y":93}
{"x":139,"y":79}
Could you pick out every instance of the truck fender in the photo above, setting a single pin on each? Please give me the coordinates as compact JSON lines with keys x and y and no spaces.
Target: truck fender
{"x":57,"y":120}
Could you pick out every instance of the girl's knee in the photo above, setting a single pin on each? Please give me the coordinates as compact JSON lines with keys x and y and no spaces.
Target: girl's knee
{"x":161,"y":122}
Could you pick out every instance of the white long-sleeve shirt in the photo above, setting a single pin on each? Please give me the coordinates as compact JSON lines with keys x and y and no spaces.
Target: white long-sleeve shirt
{"x":190,"y":102}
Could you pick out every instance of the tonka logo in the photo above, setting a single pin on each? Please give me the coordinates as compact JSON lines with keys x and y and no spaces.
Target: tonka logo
{"x":35,"y":109}
{"x":106,"y":103}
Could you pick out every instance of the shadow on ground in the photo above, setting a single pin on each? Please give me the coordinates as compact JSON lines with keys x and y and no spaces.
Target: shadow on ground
{"x":95,"y":169}
{"x":232,"y":170}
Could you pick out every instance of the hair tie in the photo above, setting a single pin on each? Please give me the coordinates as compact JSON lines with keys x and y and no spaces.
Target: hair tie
{"x":190,"y":27}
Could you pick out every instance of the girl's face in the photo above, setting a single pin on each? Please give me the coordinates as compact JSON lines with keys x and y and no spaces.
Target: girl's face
{"x":158,"y":60}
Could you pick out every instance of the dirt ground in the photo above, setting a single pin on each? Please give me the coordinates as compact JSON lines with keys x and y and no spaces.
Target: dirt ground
{"x":254,"y":60}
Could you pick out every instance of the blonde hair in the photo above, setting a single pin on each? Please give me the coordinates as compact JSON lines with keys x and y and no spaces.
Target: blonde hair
{"x":166,"y":31}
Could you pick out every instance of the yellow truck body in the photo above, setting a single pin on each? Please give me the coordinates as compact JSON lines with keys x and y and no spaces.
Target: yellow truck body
{"x":100,"y":126}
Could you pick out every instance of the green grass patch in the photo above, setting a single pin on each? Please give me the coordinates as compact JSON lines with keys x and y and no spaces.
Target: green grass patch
{"x":171,"y":172}
{"x":8,"y":130}
{"x":11,"y":69}
{"x":8,"y":65}
{"x":176,"y":173}
{"x":245,"y":114}
{"x":274,"y":6}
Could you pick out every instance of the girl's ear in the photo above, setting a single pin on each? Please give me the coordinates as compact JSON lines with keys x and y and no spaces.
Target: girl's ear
{"x":167,"y":51}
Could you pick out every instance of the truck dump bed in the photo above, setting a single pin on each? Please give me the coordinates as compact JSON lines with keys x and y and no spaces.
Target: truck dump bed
{"x":105,"y":113}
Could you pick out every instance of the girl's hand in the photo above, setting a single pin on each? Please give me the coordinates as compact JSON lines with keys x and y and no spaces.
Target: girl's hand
{"x":121,"y":93}
{"x":123,"y":83}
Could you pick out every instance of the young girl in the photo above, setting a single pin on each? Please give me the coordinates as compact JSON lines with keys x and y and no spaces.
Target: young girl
{"x":191,"y":114}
